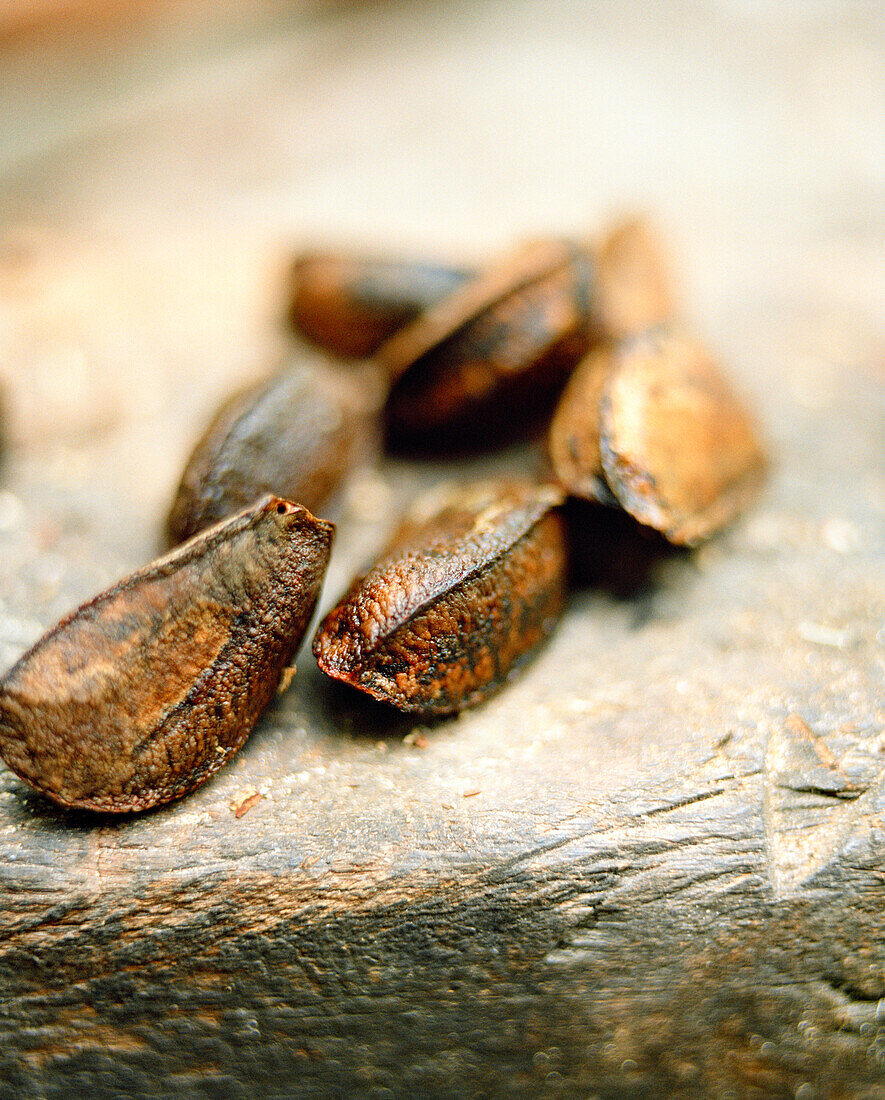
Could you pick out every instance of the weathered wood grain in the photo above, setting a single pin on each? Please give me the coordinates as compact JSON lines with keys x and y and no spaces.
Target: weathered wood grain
{"x":654,"y":866}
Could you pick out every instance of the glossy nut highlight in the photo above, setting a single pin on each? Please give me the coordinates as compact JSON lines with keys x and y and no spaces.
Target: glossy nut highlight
{"x":294,"y":435}
{"x":491,"y":356}
{"x":459,"y":601}
{"x":144,"y":692}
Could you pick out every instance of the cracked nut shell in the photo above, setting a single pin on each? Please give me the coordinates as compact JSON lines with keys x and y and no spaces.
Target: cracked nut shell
{"x":653,"y":423}
{"x":461,"y":598}
{"x":145,"y":691}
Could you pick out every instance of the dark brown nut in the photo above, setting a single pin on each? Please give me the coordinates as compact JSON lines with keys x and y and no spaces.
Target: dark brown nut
{"x":349,"y":305}
{"x":459,"y":601}
{"x":654,"y":421}
{"x":295,"y":435}
{"x":491,"y":356}
{"x":144,"y":692}
{"x":634,"y":286}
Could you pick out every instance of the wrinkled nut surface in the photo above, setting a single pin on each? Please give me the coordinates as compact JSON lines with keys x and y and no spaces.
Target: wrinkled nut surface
{"x":493,"y":352}
{"x":144,"y":692}
{"x":654,"y":421}
{"x":294,"y":435}
{"x":349,"y":305}
{"x":461,"y":598}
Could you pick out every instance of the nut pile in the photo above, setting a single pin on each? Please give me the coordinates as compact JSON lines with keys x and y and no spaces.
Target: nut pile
{"x":144,"y":692}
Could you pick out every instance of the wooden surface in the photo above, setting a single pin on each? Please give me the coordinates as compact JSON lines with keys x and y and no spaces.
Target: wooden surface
{"x":631,"y":874}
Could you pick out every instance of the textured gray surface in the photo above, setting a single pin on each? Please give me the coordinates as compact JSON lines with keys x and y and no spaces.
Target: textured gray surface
{"x":628,"y":874}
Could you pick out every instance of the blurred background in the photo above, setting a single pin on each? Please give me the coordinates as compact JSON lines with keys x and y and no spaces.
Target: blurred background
{"x":160,"y":160}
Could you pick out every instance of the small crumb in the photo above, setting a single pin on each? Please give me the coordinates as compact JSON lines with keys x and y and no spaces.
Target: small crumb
{"x":797,"y":725}
{"x":471,"y":793}
{"x":381,"y":746}
{"x":825,"y":635}
{"x":243,"y":802}
{"x":416,"y":739}
{"x":447,"y":806}
{"x":840,"y":535}
{"x":286,"y":679}
{"x":47,"y":535}
{"x":308,"y":862}
{"x":12,"y":511}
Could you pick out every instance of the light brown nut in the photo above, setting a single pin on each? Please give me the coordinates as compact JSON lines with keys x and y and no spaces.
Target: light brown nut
{"x":458,"y":602}
{"x":573,"y":440}
{"x":654,"y":421}
{"x":679,"y":450}
{"x":294,"y":435}
{"x":145,"y":691}
{"x":634,"y":285}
